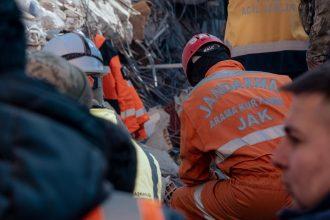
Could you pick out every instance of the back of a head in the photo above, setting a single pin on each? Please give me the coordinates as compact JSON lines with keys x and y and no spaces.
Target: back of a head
{"x":56,"y":71}
{"x":200,"y":53}
{"x":12,"y":38}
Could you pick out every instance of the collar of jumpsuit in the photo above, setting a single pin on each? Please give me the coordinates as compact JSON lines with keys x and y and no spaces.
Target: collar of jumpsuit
{"x":224,"y":65}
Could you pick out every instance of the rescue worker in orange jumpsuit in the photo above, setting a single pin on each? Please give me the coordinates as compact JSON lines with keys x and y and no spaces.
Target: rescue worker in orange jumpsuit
{"x":118,"y":89}
{"x":230,"y":125}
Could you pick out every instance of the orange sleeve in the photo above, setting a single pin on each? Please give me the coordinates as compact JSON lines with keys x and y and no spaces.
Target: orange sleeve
{"x":195,"y":164}
{"x":125,"y":98}
{"x":150,"y":210}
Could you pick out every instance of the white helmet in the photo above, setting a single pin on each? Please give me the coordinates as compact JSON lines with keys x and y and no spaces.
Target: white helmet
{"x":79,"y":51}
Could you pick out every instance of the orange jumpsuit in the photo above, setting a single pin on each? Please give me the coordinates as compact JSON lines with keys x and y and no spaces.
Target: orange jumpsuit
{"x":141,"y":115}
{"x":116,"y":87}
{"x":234,"y":120}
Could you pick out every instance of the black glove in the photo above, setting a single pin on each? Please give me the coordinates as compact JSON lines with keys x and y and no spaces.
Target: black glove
{"x":108,"y":51}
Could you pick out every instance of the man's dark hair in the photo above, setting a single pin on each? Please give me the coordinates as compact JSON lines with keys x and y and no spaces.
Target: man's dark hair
{"x":314,"y":81}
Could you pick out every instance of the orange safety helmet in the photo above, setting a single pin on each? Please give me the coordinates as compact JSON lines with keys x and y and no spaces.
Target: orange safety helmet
{"x":195,"y":43}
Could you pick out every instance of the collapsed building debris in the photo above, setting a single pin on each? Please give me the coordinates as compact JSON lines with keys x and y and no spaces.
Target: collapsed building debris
{"x":43,"y":18}
{"x":150,"y":35}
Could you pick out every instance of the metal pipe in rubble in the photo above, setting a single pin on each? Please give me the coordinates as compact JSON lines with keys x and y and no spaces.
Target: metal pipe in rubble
{"x":151,"y":61}
{"x":163,"y":66}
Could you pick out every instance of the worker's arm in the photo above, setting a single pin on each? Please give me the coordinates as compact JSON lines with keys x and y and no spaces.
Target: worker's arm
{"x":195,"y":163}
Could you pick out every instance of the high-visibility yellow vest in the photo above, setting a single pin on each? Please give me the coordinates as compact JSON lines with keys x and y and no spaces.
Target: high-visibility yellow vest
{"x":148,"y":181}
{"x":261,"y":26}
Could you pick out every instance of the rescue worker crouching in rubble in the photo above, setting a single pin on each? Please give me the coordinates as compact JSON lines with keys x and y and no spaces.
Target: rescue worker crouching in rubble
{"x":120,"y":93}
{"x":233,"y":118}
{"x":82,"y":53}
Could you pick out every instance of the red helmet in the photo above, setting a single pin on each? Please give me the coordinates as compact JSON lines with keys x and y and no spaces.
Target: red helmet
{"x":195,"y":43}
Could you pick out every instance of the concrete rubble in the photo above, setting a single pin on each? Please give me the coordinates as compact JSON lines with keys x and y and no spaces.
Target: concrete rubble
{"x":43,"y":18}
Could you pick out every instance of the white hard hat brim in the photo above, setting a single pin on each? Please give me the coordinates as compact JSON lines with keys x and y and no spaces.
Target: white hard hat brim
{"x":90,"y":65}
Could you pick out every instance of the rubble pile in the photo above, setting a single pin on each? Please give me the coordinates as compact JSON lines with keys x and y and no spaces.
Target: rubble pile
{"x":44,"y":18}
{"x":150,"y":35}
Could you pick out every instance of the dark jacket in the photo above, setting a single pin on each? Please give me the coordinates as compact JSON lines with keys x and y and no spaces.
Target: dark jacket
{"x":54,"y":154}
{"x":320,"y":212}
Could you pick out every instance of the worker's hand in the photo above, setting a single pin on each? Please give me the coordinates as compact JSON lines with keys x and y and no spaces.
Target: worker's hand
{"x":108,"y":51}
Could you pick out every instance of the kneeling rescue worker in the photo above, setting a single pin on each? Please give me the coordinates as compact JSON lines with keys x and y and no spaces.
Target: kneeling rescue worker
{"x":232,"y":120}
